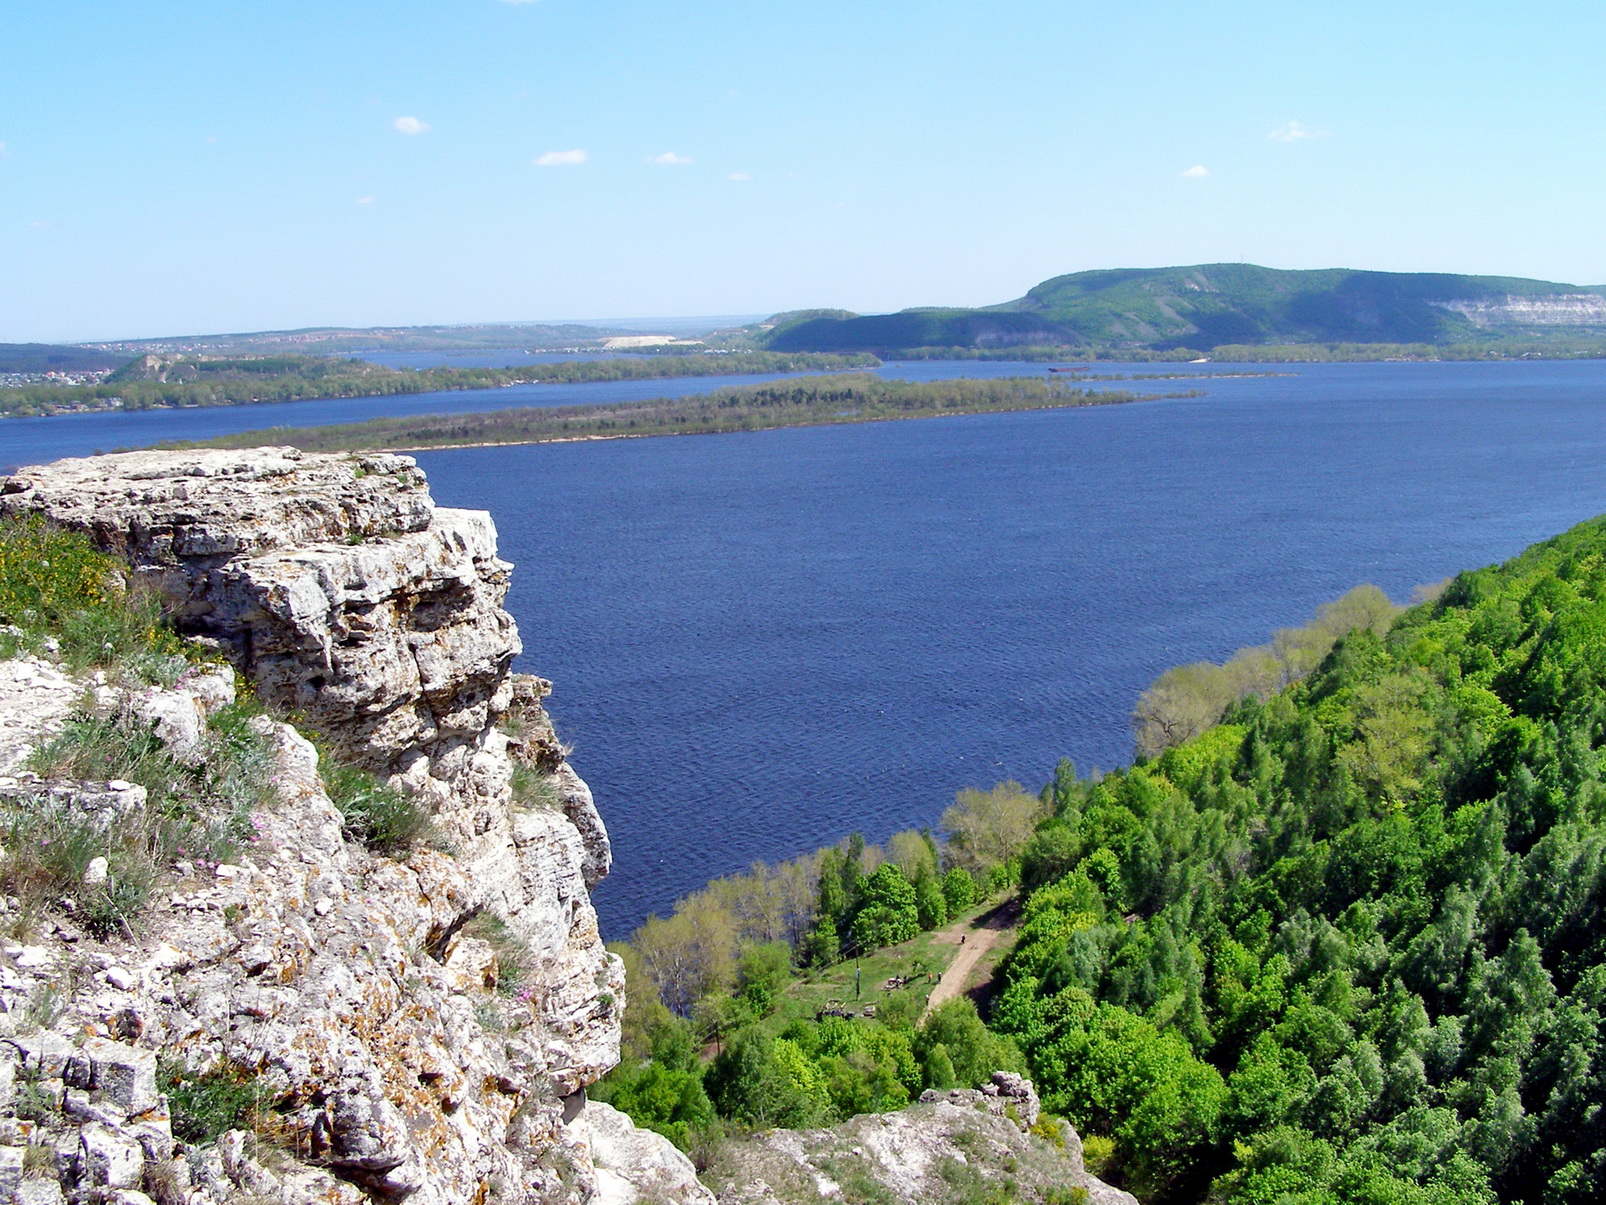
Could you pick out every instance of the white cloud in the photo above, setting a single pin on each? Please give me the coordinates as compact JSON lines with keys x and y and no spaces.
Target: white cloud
{"x":520,"y":1}
{"x":738,"y":176}
{"x":363,"y":201}
{"x":41,"y":225}
{"x":1292,"y":131}
{"x":3,"y":152}
{"x":1197,"y":172}
{"x":668,"y":159}
{"x":560,"y":159}
{"x":411,"y":125}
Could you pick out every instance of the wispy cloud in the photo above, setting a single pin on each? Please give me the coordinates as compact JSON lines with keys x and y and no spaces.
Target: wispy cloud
{"x":41,"y":225}
{"x":560,"y":159}
{"x":1197,"y":172}
{"x":738,"y":176}
{"x":668,"y":159}
{"x":363,"y":201}
{"x":1292,"y":131}
{"x":4,"y":154}
{"x":520,"y":1}
{"x":411,"y":125}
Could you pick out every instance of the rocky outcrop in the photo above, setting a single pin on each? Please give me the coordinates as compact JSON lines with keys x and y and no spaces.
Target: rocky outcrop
{"x":953,"y":1147}
{"x":637,"y":1165}
{"x":1007,"y":1095}
{"x":332,"y":582}
{"x":1556,"y":310}
{"x":353,"y":992}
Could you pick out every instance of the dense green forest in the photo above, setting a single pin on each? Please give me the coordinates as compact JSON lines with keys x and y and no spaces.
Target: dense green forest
{"x":1338,"y":938}
{"x":813,"y":401}
{"x":1347,"y":945}
{"x":198,"y":381}
{"x":1209,"y":306}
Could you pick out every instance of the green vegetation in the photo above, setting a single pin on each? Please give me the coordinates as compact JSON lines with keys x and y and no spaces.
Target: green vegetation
{"x":50,"y":357}
{"x":514,"y":960}
{"x":54,"y":587}
{"x":1349,"y":945}
{"x":99,"y":857}
{"x":197,"y":809}
{"x":1232,"y":308}
{"x":60,"y":597}
{"x":206,"y":1104}
{"x":812,"y":402}
{"x":383,"y":818}
{"x":1187,"y":699}
{"x":154,"y":381}
{"x":807,"y":983}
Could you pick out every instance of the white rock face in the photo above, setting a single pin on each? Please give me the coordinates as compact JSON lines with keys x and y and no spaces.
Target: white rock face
{"x":955,"y":1149}
{"x":35,"y":700}
{"x":1557,"y":309}
{"x":338,"y":982}
{"x":637,"y":1165}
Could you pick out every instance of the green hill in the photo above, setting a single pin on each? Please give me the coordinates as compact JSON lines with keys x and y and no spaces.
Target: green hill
{"x":1349,"y":945}
{"x":1210,"y":305}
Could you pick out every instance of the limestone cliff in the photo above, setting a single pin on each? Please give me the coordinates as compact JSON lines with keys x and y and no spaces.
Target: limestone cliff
{"x":344,"y":987}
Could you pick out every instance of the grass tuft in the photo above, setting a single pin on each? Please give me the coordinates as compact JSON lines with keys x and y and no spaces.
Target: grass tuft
{"x":534,"y":788}
{"x":200,"y":812}
{"x":383,"y":818}
{"x":514,"y":961}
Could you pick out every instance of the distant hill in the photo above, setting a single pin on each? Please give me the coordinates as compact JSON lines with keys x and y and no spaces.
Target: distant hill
{"x":49,"y":357}
{"x":1209,"y":305}
{"x":332,"y":340}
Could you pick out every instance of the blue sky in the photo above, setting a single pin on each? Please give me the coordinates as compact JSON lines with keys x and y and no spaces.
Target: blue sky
{"x":172,"y":167}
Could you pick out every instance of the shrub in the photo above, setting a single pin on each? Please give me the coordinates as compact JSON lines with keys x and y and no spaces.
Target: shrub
{"x":206,"y":1104}
{"x":1098,"y":1154}
{"x":959,"y":889}
{"x":383,"y":818}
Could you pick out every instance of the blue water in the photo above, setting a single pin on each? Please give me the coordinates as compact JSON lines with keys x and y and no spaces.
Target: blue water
{"x":762,"y":642}
{"x":39,"y":440}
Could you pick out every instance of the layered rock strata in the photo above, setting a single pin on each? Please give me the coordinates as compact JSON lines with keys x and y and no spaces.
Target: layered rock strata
{"x":346,"y":986}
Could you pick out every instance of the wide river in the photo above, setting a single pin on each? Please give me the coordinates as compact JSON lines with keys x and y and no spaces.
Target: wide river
{"x":762,"y":642}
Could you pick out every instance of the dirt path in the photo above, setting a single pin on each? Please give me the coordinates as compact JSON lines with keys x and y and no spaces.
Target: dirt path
{"x":978,"y":940}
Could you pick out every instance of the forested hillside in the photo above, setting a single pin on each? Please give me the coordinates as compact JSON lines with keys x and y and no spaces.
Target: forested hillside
{"x":1348,"y":945}
{"x":1344,"y":945}
{"x":1209,"y":306}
